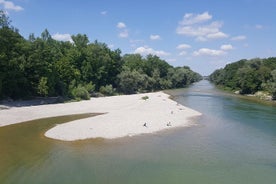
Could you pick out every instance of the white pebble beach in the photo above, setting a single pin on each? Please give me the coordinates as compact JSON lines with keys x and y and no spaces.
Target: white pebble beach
{"x":125,"y":115}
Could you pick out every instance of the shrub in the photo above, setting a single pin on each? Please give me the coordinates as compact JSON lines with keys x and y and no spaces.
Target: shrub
{"x":80,"y":93}
{"x":145,"y":97}
{"x":107,"y":90}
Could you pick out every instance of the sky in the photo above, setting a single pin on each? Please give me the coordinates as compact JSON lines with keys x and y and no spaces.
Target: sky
{"x":202,"y":34}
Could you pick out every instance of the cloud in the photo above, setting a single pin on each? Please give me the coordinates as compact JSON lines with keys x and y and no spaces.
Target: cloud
{"x":147,"y":50}
{"x":217,"y":35}
{"x":9,"y":5}
{"x":155,"y":37}
{"x":172,"y":60}
{"x":212,"y":52}
{"x":226,"y":47}
{"x":121,"y":25}
{"x":190,"y":19}
{"x":183,"y":53}
{"x":208,"y":52}
{"x":62,"y":37}
{"x":183,"y":46}
{"x":123,"y":34}
{"x":123,"y":31}
{"x":200,"y":27}
{"x":238,"y":38}
{"x":111,"y":46}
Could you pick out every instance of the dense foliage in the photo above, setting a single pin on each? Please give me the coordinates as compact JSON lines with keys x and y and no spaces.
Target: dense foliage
{"x":42,"y":66}
{"x":248,"y":76}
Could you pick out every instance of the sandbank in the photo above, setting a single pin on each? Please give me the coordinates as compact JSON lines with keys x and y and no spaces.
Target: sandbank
{"x":125,"y":115}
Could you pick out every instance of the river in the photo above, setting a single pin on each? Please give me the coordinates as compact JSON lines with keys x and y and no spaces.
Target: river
{"x":233,"y":142}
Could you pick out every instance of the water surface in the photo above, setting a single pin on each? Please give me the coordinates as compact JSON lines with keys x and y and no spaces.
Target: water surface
{"x":234,"y":141}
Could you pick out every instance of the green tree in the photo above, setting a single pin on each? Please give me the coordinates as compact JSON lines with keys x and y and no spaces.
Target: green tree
{"x":13,"y":82}
{"x":132,"y":81}
{"x":247,"y":76}
{"x":4,"y":20}
{"x":272,"y":84}
{"x":46,"y":67}
{"x":80,"y":40}
{"x":42,"y":87}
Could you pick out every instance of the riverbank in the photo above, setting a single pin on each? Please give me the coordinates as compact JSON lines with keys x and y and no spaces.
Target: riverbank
{"x":261,"y":97}
{"x":125,"y":115}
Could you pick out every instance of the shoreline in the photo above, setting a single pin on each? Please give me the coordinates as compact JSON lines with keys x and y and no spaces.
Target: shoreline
{"x":125,"y":115}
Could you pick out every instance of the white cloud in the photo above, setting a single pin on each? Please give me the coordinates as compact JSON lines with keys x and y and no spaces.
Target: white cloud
{"x":199,"y":26}
{"x":208,"y":52}
{"x":200,"y":30}
{"x":183,"y":53}
{"x":226,"y":47}
{"x":155,"y":37}
{"x":147,"y":50}
{"x":62,"y":37}
{"x":217,"y":35}
{"x":121,"y":25}
{"x":171,"y":60}
{"x":238,"y":38}
{"x":213,"y":52}
{"x":123,"y":34}
{"x":111,"y":46}
{"x":123,"y":31}
{"x":183,"y":46}
{"x":201,"y":39}
{"x":190,"y":18}
{"x":9,"y":5}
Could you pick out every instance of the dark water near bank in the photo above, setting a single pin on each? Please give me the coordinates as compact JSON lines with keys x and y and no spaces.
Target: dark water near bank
{"x":233,"y":142}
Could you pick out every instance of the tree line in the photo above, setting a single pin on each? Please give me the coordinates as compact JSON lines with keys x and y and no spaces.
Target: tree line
{"x":42,"y":66}
{"x":248,"y":76}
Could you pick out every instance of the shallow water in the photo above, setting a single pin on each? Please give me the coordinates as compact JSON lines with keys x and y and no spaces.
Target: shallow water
{"x":234,"y":141}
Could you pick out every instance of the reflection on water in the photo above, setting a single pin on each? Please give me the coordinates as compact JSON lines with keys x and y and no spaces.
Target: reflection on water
{"x":233,"y":142}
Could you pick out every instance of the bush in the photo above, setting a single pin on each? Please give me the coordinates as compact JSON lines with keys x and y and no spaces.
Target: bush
{"x":107,"y":90}
{"x":145,"y":97}
{"x":90,"y":87}
{"x":80,"y":93}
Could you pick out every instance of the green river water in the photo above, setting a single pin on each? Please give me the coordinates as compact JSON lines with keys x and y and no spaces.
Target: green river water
{"x":233,"y":142}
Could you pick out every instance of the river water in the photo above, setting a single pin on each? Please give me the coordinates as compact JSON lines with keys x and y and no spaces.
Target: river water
{"x":233,"y":142}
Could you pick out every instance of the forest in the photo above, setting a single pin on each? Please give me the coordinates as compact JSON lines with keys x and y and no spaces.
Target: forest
{"x":44,"y":67}
{"x":248,"y":76}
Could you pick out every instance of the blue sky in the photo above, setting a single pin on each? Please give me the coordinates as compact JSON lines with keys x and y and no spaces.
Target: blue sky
{"x":202,"y":34}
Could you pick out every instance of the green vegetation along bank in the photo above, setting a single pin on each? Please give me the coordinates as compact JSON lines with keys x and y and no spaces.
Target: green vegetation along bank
{"x":255,"y":76}
{"x":42,"y":66}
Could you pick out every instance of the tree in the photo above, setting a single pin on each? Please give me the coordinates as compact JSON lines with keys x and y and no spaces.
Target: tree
{"x":179,"y":77}
{"x":42,"y":87}
{"x":247,"y":76}
{"x":13,"y":82}
{"x":80,"y":40}
{"x":47,"y":67}
{"x":4,"y":20}
{"x":45,"y":35}
{"x":132,"y":81}
{"x":272,"y":84}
